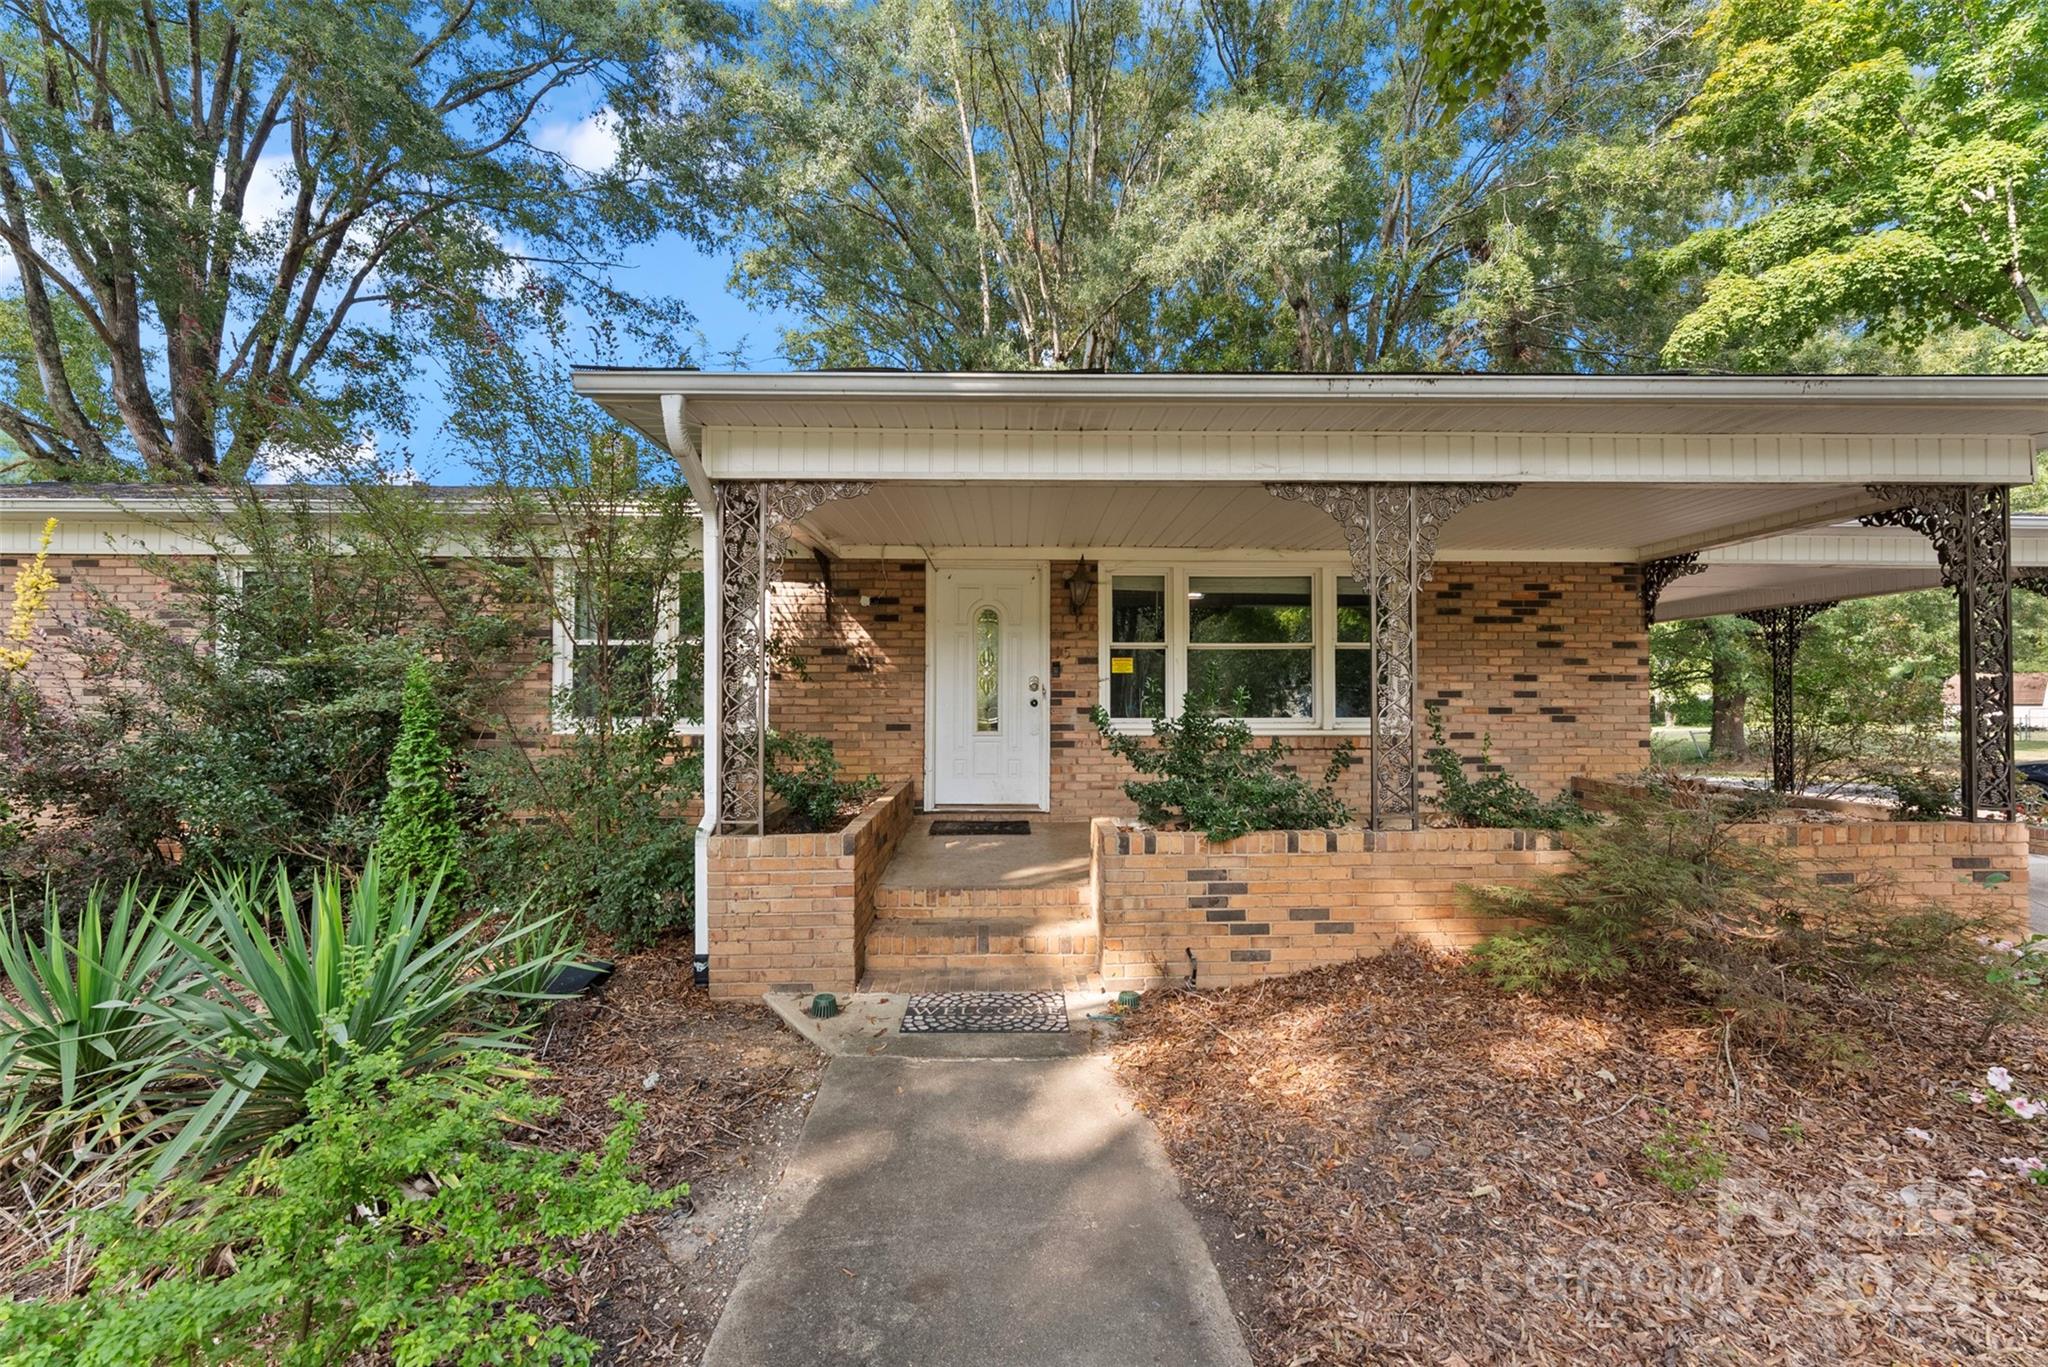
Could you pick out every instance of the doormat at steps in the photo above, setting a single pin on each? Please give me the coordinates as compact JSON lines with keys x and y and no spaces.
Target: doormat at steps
{"x":985,"y":1013}
{"x":969,"y":826}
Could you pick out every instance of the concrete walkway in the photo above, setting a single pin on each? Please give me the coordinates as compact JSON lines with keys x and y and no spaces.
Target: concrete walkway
{"x":2037,"y":892}
{"x":986,"y":1213}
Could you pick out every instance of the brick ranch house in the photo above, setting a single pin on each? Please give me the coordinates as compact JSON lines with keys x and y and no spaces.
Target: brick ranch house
{"x":968,"y":564}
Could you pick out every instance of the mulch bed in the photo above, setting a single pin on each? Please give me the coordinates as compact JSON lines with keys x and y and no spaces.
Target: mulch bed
{"x":725,"y":1087}
{"x":1399,"y":1163}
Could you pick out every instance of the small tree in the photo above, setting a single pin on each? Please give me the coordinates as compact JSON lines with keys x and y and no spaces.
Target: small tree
{"x":419,"y":834}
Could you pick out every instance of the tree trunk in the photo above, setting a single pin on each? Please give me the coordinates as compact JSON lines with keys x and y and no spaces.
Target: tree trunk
{"x":1728,"y":739}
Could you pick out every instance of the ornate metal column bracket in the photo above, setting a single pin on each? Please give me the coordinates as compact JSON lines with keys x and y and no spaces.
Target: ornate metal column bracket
{"x":1391,"y":532}
{"x":1657,"y":576}
{"x":1971,"y":528}
{"x":1784,"y":628}
{"x":753,"y":530}
{"x":2032,"y":583}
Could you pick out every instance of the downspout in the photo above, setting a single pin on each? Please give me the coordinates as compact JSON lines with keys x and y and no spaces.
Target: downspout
{"x":701,"y":489}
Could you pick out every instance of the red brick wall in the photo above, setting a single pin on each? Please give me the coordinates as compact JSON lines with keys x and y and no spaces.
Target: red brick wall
{"x":861,"y":649}
{"x":68,"y":666}
{"x":1551,"y":661}
{"x":789,"y":912}
{"x":1280,"y":901}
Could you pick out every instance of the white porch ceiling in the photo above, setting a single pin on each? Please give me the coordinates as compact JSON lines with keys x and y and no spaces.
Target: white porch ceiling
{"x":1582,"y":522}
{"x":1826,"y":565}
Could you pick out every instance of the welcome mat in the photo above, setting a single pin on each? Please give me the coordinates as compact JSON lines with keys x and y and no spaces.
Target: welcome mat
{"x":971,"y":826}
{"x":986,"y":1013}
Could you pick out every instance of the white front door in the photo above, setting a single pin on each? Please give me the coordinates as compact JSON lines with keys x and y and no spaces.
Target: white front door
{"x":991,"y":688}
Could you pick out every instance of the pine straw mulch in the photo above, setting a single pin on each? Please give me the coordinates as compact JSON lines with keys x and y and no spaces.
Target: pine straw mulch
{"x":725,"y":1086}
{"x":1415,"y":1167}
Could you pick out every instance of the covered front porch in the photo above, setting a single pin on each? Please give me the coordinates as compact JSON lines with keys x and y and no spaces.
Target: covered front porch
{"x":947,"y":575}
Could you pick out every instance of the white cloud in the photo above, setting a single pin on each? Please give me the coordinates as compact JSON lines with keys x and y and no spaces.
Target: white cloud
{"x":270,"y":190}
{"x":281,"y":464}
{"x":590,"y":144}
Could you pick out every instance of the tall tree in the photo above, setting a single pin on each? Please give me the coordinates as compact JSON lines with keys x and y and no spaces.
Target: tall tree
{"x":1892,"y":162}
{"x":241,"y":224}
{"x":1245,"y":184}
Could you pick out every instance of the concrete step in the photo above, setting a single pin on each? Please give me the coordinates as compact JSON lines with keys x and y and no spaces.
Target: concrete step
{"x":1063,"y":901}
{"x":993,"y":951}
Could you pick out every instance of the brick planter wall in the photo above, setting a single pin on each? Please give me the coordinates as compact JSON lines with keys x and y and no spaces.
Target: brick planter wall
{"x":1277,"y":902}
{"x":789,"y":913}
{"x":1977,"y":867}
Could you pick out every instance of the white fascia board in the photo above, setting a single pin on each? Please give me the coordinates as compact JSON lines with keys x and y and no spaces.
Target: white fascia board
{"x":921,"y":455}
{"x":1070,"y":386}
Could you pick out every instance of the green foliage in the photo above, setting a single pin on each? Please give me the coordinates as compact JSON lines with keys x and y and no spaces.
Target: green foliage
{"x":194,"y":310}
{"x":1471,"y":45}
{"x":1919,"y":794}
{"x":258,"y":721}
{"x":1670,"y":891}
{"x":804,"y":774}
{"x":85,"y":1050}
{"x":1204,"y":771}
{"x":399,"y":1219}
{"x":1684,"y":1160}
{"x":1324,"y":187}
{"x":358,"y":971}
{"x":176,"y":1033}
{"x":1897,"y":163}
{"x":419,"y":835}
{"x":598,"y":829}
{"x":1493,"y":799}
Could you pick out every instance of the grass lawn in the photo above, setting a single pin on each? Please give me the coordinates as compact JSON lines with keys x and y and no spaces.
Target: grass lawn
{"x":1685,"y":747}
{"x":1399,"y":1163}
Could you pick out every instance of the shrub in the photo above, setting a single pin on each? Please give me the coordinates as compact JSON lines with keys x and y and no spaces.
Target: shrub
{"x":398,"y":1219}
{"x":1671,"y":893}
{"x":1918,"y":794}
{"x":358,"y":973}
{"x":419,"y":835}
{"x":256,"y":718}
{"x":599,"y":830}
{"x":85,"y":1049}
{"x":1683,"y":1160}
{"x":805,"y":774}
{"x":1493,"y":799}
{"x":1204,"y":771}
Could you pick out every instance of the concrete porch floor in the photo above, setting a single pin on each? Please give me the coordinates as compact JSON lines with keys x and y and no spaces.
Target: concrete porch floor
{"x":1054,"y":855}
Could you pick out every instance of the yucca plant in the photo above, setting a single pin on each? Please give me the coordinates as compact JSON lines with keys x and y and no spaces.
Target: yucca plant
{"x":296,"y":992}
{"x":89,"y":1054}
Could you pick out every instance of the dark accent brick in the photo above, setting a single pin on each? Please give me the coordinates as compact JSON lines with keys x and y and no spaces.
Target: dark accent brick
{"x":1973,"y":862}
{"x":1198,"y":903}
{"x":1252,"y":928}
{"x":1251,"y":956}
{"x":1834,"y":879}
{"x":1227,"y":889}
{"x":1308,"y":913}
{"x":1207,"y":875}
{"x":1336,"y":928}
{"x":896,"y":726}
{"x":1225,"y":914}
{"x":1565,"y":717}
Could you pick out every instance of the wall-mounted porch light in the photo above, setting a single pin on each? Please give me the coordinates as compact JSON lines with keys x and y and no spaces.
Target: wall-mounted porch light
{"x":1080,"y":583}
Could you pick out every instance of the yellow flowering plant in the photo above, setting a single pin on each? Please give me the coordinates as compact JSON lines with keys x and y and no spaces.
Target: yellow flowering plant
{"x":32,"y":586}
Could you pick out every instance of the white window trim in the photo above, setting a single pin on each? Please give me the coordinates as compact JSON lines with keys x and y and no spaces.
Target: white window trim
{"x":667,"y":635}
{"x":1323,"y":614}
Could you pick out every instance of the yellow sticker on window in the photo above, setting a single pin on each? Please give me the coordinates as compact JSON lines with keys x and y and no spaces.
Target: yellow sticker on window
{"x":1123,"y":664}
